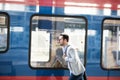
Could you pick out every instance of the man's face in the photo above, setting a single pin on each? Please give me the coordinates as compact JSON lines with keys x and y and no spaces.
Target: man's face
{"x":61,"y":41}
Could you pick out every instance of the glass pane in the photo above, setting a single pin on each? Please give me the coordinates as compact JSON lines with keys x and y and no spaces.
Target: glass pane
{"x":45,"y":31}
{"x":111,"y":44}
{"x":3,"y":32}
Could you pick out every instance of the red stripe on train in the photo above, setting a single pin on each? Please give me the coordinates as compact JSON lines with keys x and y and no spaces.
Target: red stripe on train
{"x":114,"y":5}
{"x":52,"y":78}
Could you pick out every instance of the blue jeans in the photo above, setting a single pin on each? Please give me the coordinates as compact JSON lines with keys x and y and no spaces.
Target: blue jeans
{"x":78,"y":77}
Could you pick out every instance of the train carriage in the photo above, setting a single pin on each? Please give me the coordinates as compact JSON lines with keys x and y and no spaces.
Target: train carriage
{"x":29,"y":31}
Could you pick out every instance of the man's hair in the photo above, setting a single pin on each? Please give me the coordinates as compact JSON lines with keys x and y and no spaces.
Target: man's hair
{"x":65,"y":36}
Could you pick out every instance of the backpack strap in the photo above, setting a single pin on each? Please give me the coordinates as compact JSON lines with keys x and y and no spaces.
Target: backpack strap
{"x":66,"y":49}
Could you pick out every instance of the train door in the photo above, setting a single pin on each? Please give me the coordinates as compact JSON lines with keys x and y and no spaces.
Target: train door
{"x":111,"y":48}
{"x":44,"y":46}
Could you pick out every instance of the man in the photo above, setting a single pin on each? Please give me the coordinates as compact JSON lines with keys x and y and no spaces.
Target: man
{"x":71,"y":57}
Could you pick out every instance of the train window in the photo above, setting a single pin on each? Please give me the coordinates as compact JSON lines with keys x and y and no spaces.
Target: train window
{"x":111,"y":44}
{"x":44,"y":47}
{"x":4,"y":26}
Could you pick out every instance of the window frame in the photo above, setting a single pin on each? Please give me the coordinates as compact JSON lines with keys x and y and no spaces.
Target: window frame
{"x":101,"y":57}
{"x":8,"y":30}
{"x":47,"y":15}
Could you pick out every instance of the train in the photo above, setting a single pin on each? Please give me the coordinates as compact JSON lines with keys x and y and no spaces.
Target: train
{"x":29,"y":31}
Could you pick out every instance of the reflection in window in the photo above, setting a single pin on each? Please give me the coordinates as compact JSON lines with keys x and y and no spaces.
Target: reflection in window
{"x":3,"y":32}
{"x":44,"y":39}
{"x":40,"y":44}
{"x":111,"y":44}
